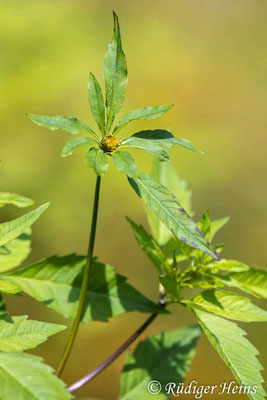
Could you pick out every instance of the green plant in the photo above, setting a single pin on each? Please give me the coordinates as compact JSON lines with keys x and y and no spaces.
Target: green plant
{"x":180,"y":249}
{"x":17,"y":333}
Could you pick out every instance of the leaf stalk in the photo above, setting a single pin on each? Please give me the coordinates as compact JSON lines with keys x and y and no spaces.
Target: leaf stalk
{"x":87,"y":378}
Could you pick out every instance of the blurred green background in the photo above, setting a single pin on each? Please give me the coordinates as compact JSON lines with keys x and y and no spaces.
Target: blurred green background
{"x":209,"y":59}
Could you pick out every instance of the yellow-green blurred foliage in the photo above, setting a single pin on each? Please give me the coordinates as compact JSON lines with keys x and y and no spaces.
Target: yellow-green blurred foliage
{"x":208,"y":58}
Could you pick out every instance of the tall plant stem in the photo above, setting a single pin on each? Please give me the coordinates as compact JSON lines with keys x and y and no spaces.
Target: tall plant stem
{"x":86,"y":275}
{"x":87,"y":378}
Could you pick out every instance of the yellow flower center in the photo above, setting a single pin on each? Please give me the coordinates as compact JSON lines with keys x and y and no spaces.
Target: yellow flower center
{"x":109,"y":143}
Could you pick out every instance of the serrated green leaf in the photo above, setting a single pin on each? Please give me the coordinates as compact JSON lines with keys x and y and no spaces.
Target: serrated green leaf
{"x":149,"y":146}
{"x":252,"y":281}
{"x":8,"y":287}
{"x":19,"y":333}
{"x":159,"y":137}
{"x":12,"y":229}
{"x":149,"y":246}
{"x":166,"y":174}
{"x":125,"y":163}
{"x":205,"y":284}
{"x":186,"y":144}
{"x":17,"y":250}
{"x":168,"y":209}
{"x":56,"y":281}
{"x":115,"y":74}
{"x":235,"y":350}
{"x":141,"y":113}
{"x":14,"y":199}
{"x":165,"y":357}
{"x":228,"y":305}
{"x":25,"y":377}
{"x":96,"y":102}
{"x":97,"y":160}
{"x":228,"y":265}
{"x":72,"y":144}
{"x":71,"y":125}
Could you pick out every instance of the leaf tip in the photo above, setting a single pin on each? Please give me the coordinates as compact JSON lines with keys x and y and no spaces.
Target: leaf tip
{"x":116,"y":21}
{"x":216,"y":256}
{"x":128,"y":219}
{"x":115,"y":15}
{"x":45,"y":206}
{"x":61,"y":327}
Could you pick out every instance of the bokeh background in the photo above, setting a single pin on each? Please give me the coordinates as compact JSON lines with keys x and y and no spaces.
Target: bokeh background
{"x":209,"y":59}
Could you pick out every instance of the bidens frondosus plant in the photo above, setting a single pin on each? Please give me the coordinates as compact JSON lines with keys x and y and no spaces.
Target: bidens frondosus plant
{"x":85,"y":289}
{"x":105,"y":145}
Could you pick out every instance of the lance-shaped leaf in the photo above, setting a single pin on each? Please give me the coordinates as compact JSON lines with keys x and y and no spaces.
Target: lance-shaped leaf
{"x":125,"y":163}
{"x":56,"y":281}
{"x":17,"y":250}
{"x":12,"y":229}
{"x":165,"y":358}
{"x":235,"y":350}
{"x":228,"y":305}
{"x":149,"y":146}
{"x":97,"y":160}
{"x":96,"y":102}
{"x":14,"y":199}
{"x":227,"y":265}
{"x":115,"y":74}
{"x":19,"y":333}
{"x":149,"y":246}
{"x":71,"y":125}
{"x":168,"y":209}
{"x":141,"y":113}
{"x":73,"y":144}
{"x":252,"y":281}
{"x":166,"y":174}
{"x":157,"y":137}
{"x":25,"y":377}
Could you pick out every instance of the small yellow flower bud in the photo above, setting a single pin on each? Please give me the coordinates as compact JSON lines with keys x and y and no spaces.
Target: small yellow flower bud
{"x":109,"y":143}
